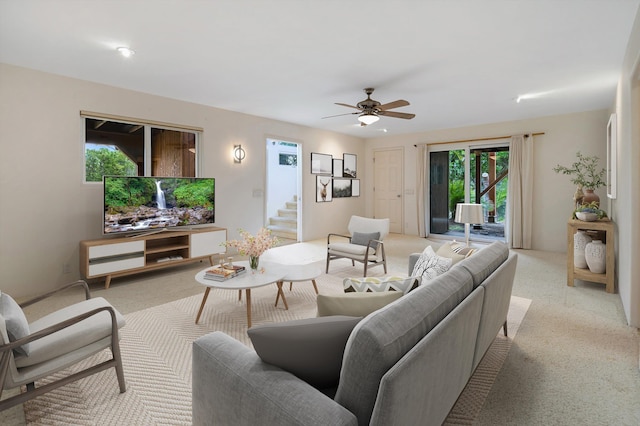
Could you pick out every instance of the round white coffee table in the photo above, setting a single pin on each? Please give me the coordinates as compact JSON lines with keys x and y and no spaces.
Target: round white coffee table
{"x":269,"y":273}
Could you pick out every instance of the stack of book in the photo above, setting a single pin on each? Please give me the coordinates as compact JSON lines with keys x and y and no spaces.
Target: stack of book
{"x":223,"y":273}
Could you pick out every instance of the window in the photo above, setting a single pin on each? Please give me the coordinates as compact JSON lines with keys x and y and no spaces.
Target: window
{"x":473,"y":174}
{"x":129,"y":148}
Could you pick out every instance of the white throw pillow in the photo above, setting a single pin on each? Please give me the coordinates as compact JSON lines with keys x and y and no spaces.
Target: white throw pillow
{"x":429,"y":265}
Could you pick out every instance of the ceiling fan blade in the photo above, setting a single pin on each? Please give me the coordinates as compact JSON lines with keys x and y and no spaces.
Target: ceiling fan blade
{"x":346,"y":105}
{"x":338,"y":115}
{"x":393,"y":114}
{"x":395,"y":104}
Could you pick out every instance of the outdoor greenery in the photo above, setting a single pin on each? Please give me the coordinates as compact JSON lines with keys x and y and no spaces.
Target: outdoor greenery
{"x":107,"y":162}
{"x":456,"y":181}
{"x":584,"y":172}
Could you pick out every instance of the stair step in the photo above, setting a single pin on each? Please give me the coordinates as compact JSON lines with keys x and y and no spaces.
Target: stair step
{"x":288,"y":212}
{"x":283,"y":232}
{"x":292,"y":205}
{"x":284,"y":222}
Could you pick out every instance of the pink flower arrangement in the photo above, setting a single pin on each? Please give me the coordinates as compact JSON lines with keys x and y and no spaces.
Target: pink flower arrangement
{"x":253,"y":246}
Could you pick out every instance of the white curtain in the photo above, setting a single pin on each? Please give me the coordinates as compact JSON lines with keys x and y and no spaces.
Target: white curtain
{"x":422,"y":168}
{"x":520,"y":192}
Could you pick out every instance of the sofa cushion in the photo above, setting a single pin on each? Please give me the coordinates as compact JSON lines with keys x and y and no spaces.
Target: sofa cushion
{"x":373,"y":284}
{"x":430,"y":265}
{"x":355,"y":304}
{"x":383,"y":337}
{"x":485,"y":261}
{"x":310,"y":348}
{"x":15,"y":321}
{"x":362,"y":239}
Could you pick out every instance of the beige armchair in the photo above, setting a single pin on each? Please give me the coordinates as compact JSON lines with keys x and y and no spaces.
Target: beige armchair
{"x":29,"y":352}
{"x":365,"y":244}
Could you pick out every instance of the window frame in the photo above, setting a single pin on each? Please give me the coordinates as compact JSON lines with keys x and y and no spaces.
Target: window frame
{"x":148,"y":126}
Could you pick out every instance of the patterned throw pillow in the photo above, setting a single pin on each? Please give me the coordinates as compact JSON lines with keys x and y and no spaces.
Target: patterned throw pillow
{"x":429,"y":265}
{"x":372,"y":284}
{"x":448,"y":250}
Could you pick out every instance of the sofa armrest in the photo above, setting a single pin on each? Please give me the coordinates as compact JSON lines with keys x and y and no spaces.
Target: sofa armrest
{"x":413,"y":258}
{"x":232,"y":385}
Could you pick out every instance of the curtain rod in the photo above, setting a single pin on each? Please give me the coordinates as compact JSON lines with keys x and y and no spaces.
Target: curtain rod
{"x":476,"y":140}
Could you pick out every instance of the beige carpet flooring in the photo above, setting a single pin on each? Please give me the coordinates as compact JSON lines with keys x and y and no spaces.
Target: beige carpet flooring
{"x":574,"y":360}
{"x":156,"y":350}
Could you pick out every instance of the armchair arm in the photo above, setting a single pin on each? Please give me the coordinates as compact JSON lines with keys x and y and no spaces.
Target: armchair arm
{"x":225,"y":371}
{"x":62,"y":325}
{"x":51,"y":293}
{"x":337,"y":235}
{"x":378,"y":247}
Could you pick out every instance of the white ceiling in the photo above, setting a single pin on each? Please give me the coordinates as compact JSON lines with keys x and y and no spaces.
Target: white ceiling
{"x":458,"y":63}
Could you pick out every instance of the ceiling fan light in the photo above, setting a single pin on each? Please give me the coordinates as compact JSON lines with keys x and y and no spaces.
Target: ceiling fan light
{"x":368,"y":118}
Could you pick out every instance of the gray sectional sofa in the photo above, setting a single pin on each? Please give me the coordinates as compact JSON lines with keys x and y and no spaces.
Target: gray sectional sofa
{"x":403,"y":364}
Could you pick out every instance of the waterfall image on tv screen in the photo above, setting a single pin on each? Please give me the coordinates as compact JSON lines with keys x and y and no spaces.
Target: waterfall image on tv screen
{"x":134,"y":203}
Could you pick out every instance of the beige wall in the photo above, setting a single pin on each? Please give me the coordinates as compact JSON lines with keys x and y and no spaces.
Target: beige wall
{"x":46,"y":209}
{"x":627,"y":204}
{"x":552,"y":193}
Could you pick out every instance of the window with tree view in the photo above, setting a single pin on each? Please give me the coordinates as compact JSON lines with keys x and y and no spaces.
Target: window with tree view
{"x":487,"y":185}
{"x":118,"y":148}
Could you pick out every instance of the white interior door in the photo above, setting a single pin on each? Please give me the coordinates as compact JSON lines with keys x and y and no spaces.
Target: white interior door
{"x":388,"y":170}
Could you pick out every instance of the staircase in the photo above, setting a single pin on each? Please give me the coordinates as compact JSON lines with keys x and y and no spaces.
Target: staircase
{"x":285,"y":225}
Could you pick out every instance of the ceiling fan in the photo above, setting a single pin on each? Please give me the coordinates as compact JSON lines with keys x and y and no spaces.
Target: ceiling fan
{"x":370,"y":110}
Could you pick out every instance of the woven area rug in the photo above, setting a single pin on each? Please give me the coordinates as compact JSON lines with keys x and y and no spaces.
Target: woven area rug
{"x":156,"y":350}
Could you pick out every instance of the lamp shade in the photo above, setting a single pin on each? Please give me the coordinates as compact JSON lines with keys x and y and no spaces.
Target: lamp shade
{"x":469,"y":213}
{"x":368,"y":118}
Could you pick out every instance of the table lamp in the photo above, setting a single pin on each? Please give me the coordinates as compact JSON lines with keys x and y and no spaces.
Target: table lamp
{"x":468,"y":214}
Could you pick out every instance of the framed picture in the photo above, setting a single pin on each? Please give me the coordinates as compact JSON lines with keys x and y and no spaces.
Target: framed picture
{"x":341,"y":188}
{"x":612,"y":139}
{"x":355,"y":187}
{"x":350,"y":166}
{"x":324,"y":191}
{"x":321,"y":164}
{"x":337,"y":167}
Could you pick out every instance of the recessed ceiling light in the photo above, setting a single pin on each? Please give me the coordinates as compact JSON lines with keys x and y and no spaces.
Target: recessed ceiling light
{"x":125,"y":51}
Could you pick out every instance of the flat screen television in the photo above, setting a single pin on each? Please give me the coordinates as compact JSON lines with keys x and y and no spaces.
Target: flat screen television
{"x":138,"y":204}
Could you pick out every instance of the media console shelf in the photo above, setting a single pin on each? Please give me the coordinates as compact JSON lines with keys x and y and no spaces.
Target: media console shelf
{"x":116,"y":257}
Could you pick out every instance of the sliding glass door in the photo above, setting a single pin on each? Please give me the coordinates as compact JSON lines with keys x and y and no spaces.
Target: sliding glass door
{"x":463,"y":173}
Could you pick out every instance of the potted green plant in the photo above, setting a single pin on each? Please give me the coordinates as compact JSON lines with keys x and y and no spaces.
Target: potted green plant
{"x":589,"y":212}
{"x":585,"y":174}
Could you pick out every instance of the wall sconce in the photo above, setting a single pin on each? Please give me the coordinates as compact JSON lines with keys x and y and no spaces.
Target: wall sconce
{"x":238,"y":154}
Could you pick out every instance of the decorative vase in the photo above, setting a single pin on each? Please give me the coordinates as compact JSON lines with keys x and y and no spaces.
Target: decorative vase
{"x":578,"y":196}
{"x":595,"y":254}
{"x":254,"y":261}
{"x":590,"y":196}
{"x":580,"y":241}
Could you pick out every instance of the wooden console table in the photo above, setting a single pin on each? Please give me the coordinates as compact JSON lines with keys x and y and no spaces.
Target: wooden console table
{"x":597,"y":230}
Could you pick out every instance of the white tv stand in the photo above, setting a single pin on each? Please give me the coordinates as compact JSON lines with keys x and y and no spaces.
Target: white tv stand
{"x":115,"y":257}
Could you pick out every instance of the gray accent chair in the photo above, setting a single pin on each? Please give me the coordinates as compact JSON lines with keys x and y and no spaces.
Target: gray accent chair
{"x":31,"y":351}
{"x":364,"y":244}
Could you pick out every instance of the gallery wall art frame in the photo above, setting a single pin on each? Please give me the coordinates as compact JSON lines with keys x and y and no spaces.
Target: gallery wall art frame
{"x":350,"y":165}
{"x":355,"y":187}
{"x":612,"y":140}
{"x":342,"y":188}
{"x":324,"y":189}
{"x":337,"y":167}
{"x":321,"y":164}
